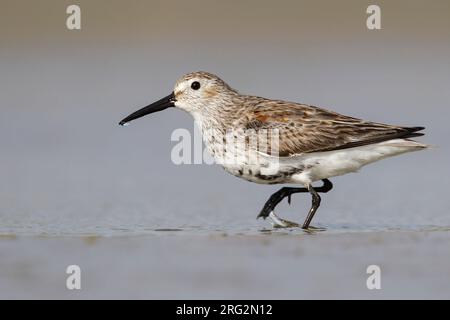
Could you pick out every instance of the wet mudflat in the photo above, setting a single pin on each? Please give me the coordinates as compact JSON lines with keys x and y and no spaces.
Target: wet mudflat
{"x":249,"y":264}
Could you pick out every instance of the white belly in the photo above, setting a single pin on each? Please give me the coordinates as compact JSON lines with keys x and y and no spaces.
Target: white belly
{"x":323,"y":165}
{"x":302,"y":168}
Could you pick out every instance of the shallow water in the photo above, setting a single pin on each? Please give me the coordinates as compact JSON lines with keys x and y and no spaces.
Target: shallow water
{"x":216,"y":265}
{"x":75,"y":188}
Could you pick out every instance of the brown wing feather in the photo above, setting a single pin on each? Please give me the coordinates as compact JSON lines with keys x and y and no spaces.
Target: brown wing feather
{"x":306,"y":129}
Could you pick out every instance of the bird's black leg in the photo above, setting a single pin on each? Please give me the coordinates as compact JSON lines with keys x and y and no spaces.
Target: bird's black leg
{"x":315,"y":205}
{"x":327,"y":186}
{"x":278,"y":196}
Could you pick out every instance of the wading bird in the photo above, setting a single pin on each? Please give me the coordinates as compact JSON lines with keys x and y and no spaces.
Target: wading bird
{"x":312,"y":143}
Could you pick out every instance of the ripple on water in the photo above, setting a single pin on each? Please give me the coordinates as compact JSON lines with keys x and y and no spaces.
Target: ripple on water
{"x":238,"y":230}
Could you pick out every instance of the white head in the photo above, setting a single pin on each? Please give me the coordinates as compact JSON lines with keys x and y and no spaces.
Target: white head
{"x":193,"y":92}
{"x":198,"y":90}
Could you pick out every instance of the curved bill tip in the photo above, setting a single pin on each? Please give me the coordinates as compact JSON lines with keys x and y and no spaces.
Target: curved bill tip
{"x":159,"y":105}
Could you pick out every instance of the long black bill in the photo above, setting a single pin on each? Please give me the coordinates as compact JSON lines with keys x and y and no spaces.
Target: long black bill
{"x":159,"y":105}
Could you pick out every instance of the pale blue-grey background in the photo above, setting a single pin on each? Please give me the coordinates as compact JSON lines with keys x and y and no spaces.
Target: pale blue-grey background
{"x":68,"y":169}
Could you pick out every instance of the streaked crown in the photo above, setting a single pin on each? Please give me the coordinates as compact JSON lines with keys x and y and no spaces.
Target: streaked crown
{"x":197,"y":90}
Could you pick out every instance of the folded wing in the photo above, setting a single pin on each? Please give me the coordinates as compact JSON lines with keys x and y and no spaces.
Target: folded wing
{"x":305,"y":129}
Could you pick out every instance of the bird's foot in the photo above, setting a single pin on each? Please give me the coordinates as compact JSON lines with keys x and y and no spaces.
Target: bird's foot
{"x":265,"y":212}
{"x":278,"y":222}
{"x":313,"y":229}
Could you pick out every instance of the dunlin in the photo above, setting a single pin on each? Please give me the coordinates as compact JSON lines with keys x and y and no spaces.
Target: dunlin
{"x":312,"y":143}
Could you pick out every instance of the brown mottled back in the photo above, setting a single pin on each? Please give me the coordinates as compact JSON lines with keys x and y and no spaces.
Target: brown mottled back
{"x":306,"y":129}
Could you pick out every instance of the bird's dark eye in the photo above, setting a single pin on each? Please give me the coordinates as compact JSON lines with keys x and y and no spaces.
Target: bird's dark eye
{"x":195,"y":85}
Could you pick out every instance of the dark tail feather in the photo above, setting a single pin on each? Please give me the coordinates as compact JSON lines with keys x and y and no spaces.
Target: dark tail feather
{"x":412,"y":135}
{"x":414,"y":129}
{"x":412,"y":132}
